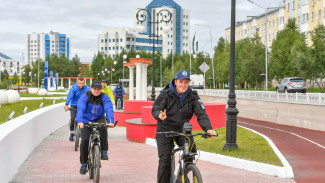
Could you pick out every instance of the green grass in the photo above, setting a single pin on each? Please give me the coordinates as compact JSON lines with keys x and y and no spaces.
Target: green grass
{"x":34,"y":95}
{"x":251,"y":146}
{"x":32,"y":105}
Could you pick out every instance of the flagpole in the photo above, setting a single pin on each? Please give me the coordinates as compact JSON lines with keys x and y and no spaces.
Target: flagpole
{"x":190,"y":58}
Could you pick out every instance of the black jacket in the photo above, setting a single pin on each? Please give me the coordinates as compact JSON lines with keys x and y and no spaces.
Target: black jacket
{"x":177,"y":115}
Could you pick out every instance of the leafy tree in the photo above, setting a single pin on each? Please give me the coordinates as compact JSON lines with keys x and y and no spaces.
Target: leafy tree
{"x":281,"y":62}
{"x":318,"y":56}
{"x":26,"y":77}
{"x":15,"y":79}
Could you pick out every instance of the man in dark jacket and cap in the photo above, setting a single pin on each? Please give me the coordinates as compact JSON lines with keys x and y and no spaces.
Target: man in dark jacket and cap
{"x":174,"y":106}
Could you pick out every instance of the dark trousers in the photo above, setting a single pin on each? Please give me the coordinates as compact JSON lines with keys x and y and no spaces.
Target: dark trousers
{"x":85,"y":134}
{"x":73,"y":114}
{"x":165,"y":146}
{"x":121,"y":98}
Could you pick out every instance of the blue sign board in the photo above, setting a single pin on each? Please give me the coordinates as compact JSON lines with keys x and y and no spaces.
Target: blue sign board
{"x":46,"y":74}
{"x":56,"y":81}
{"x":51,"y":79}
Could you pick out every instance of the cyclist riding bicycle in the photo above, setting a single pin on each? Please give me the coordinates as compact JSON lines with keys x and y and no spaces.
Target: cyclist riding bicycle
{"x":119,"y":93}
{"x":73,"y":96}
{"x":107,"y":90}
{"x":174,"y":106}
{"x":91,"y":108}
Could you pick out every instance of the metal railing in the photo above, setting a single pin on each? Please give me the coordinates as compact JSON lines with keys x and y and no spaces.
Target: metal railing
{"x":299,"y":98}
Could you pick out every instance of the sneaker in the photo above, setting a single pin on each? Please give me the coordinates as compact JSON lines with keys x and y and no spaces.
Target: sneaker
{"x":71,"y":138}
{"x":83,"y":169}
{"x":104,"y":155}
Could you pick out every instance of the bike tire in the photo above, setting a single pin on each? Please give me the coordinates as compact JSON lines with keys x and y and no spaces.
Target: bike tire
{"x":76,"y":142}
{"x":91,"y":164}
{"x":195,"y":176}
{"x":96,"y":164}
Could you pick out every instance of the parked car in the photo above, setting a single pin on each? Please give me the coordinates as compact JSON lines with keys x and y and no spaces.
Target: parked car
{"x":292,"y":84}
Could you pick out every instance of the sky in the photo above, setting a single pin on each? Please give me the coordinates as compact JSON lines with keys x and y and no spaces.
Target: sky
{"x":84,"y":20}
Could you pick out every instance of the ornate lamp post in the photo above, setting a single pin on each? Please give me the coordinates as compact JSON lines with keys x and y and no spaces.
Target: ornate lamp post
{"x":155,"y":25}
{"x":232,"y":111}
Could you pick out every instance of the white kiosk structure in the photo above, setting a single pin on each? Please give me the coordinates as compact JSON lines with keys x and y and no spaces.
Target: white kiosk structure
{"x":141,"y":65}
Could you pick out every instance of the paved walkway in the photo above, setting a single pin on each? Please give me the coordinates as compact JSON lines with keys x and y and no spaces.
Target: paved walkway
{"x":303,"y":148}
{"x":55,"y":160}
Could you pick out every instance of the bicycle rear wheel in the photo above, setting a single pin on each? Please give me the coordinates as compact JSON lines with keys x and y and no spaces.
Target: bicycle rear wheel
{"x":91,"y":163}
{"x":192,"y":174}
{"x":96,"y":164}
{"x":77,"y":137}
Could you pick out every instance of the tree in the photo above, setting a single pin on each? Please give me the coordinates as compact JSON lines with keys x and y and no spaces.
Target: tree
{"x":15,"y":79}
{"x":318,"y":56}
{"x":26,"y":77}
{"x":281,"y":62}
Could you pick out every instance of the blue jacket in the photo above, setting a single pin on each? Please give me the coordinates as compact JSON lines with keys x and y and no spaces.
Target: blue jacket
{"x":93,"y":111}
{"x":75,"y":93}
{"x":119,"y":92}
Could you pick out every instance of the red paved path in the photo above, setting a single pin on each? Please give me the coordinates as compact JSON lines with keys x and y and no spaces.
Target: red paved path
{"x":306,"y":158}
{"x":55,"y":161}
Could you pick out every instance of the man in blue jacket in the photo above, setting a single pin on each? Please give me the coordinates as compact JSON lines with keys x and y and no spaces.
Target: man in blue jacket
{"x":119,"y":93}
{"x":92,"y":107}
{"x":73,"y":96}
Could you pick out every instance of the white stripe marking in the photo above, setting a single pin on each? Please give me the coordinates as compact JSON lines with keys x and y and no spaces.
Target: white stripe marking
{"x":287,"y":132}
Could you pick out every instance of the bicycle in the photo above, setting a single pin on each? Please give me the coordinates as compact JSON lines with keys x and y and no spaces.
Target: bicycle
{"x":77,"y":136}
{"x":119,"y":102}
{"x":185,"y":171}
{"x":94,"y":161}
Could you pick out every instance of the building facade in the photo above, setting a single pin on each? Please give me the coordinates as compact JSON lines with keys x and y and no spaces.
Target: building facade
{"x":10,"y":65}
{"x":176,"y":41}
{"x":307,"y":14}
{"x":83,"y":68}
{"x":43,"y":44}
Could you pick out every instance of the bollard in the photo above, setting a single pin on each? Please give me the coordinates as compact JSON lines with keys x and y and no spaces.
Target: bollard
{"x":11,"y":115}
{"x":25,"y":110}
{"x":40,"y":106}
{"x":53,"y":101}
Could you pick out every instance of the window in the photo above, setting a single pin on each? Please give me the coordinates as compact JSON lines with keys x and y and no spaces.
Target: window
{"x":102,"y":48}
{"x":117,"y":40}
{"x":102,"y":40}
{"x":312,"y":16}
{"x":293,"y":5}
{"x":105,"y":40}
{"x":113,"y":47}
{"x":105,"y":48}
{"x":113,"y":40}
{"x":288,"y":7}
{"x":109,"y":40}
{"x":121,"y":48}
{"x":109,"y":48}
{"x":121,"y":40}
{"x":319,"y":14}
{"x":116,"y":47}
{"x":171,"y":36}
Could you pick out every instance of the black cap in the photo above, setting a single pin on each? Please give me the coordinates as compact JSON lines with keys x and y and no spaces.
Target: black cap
{"x":96,"y":84}
{"x":104,"y":80}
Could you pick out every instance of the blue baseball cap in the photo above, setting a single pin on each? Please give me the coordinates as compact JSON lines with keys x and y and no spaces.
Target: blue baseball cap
{"x":183,"y":74}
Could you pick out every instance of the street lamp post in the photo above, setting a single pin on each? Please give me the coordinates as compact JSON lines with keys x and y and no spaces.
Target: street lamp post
{"x":266,"y":44}
{"x":124,"y":58}
{"x":232,"y":111}
{"x":154,"y":35}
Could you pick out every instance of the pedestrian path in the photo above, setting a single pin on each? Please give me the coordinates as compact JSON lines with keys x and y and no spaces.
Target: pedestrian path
{"x":55,"y":160}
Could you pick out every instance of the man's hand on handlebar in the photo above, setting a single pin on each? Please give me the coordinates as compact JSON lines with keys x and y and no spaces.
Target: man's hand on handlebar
{"x":110,"y":125}
{"x":66,"y":107}
{"x":211,"y":132}
{"x":80,"y":125}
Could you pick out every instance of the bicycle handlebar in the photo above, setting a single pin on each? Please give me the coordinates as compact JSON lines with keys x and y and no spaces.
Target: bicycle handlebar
{"x":174,"y":134}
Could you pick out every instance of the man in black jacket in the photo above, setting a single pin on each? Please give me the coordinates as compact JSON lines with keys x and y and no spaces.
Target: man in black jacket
{"x":173,"y":107}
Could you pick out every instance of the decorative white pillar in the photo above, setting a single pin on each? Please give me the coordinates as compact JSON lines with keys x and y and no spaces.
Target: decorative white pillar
{"x":138,"y":79}
{"x":144,"y":81}
{"x":48,"y":83}
{"x":69,"y":83}
{"x":91,"y":81}
{"x":62,"y":82}
{"x":131,"y":81}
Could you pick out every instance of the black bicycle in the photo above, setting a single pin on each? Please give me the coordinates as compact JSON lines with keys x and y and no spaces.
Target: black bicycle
{"x":77,"y":132}
{"x":185,"y":171}
{"x":94,"y":161}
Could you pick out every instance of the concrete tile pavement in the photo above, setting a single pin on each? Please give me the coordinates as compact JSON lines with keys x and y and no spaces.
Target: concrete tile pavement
{"x":55,"y":160}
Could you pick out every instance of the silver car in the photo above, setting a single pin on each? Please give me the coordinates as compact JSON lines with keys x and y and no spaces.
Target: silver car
{"x":292,"y":84}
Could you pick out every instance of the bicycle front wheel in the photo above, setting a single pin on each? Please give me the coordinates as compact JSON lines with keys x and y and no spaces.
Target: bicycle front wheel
{"x":96,"y":164}
{"x":192,"y":174}
{"x":91,"y":163}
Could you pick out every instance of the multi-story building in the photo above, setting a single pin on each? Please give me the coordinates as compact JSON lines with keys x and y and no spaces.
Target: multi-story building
{"x":12,"y":66}
{"x":307,"y":14}
{"x":83,"y":67}
{"x":41,"y":45}
{"x":176,"y":41}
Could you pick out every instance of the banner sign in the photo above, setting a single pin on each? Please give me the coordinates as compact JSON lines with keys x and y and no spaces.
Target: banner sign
{"x":46,"y":74}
